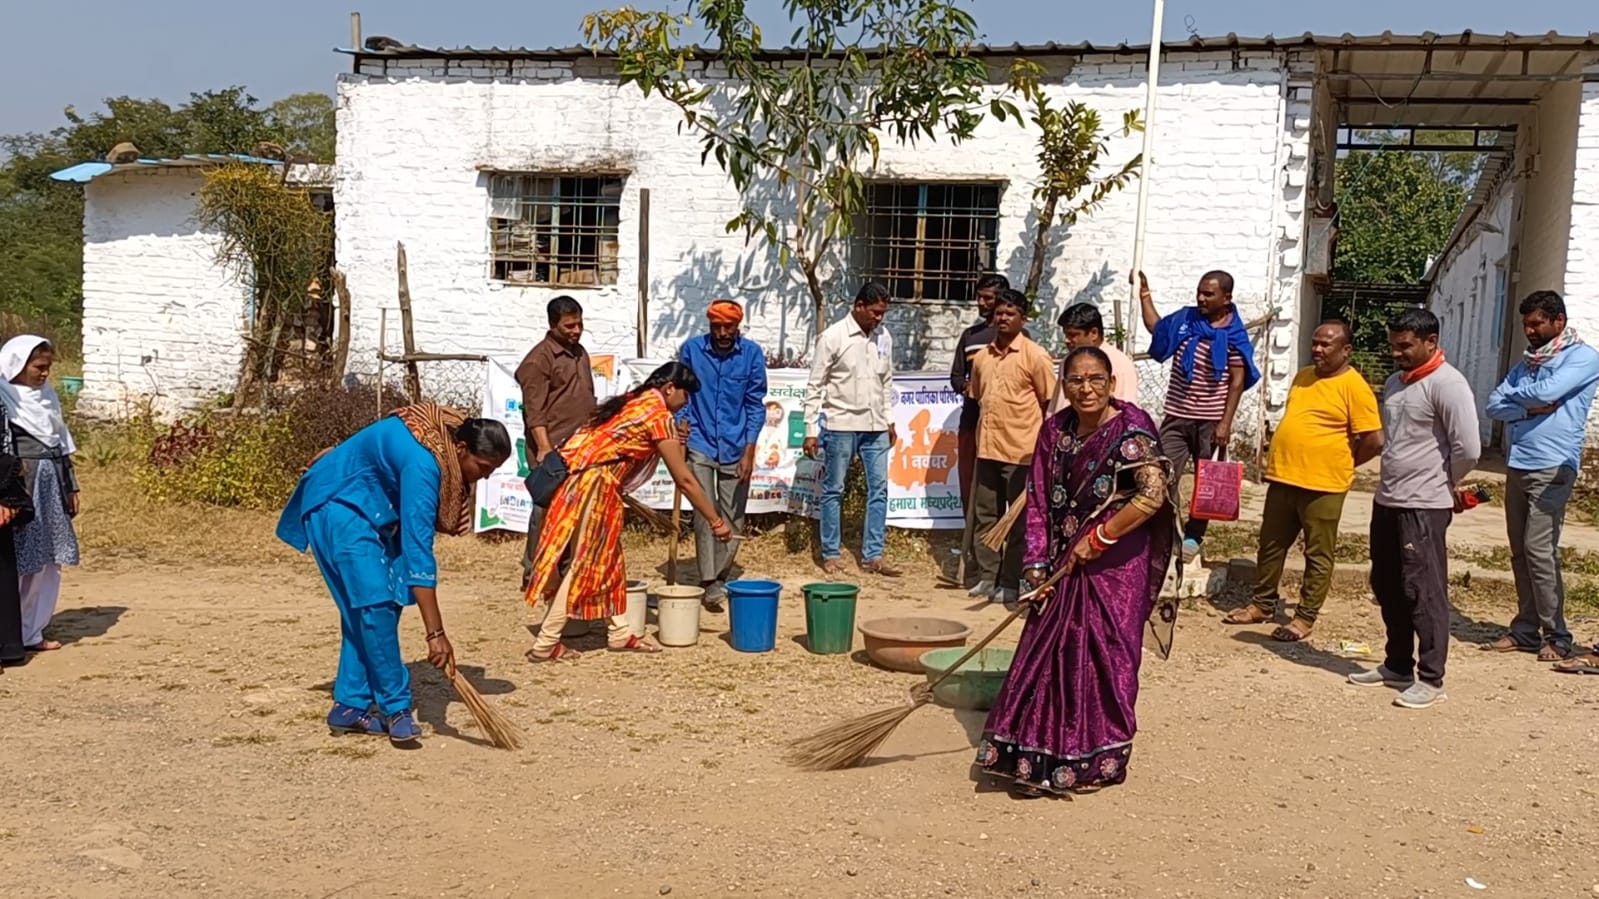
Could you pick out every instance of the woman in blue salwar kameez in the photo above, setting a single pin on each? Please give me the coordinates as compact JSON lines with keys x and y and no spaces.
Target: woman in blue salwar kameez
{"x":367,"y":510}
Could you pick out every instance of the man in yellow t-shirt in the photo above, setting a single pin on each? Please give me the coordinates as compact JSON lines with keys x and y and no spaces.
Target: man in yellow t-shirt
{"x":1330,"y":428}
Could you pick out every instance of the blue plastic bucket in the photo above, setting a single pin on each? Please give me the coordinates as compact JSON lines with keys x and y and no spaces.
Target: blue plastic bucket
{"x":752,"y":611}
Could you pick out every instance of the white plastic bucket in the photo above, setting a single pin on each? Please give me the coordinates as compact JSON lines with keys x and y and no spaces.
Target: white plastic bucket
{"x":677,"y":615}
{"x":638,"y":608}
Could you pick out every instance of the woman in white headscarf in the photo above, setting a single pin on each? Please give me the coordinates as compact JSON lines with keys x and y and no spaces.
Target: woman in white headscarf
{"x":42,"y":441}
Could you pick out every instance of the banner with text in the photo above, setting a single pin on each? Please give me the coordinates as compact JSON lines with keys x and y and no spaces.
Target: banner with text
{"x":502,"y":500}
{"x":923,"y":490}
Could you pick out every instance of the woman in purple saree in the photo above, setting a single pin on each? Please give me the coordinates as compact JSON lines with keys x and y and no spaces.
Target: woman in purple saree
{"x":1099,"y":506}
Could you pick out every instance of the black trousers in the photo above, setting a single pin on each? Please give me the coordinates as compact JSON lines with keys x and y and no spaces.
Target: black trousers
{"x":1182,"y":440}
{"x":1410,"y":578}
{"x":10,"y":599}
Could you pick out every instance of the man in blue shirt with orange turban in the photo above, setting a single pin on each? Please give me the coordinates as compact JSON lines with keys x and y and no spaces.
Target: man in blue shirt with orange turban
{"x":724,"y":420}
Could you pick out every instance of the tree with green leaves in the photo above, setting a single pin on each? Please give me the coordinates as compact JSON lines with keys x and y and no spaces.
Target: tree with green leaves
{"x":41,"y":220}
{"x":1072,"y":143}
{"x":1395,"y":210}
{"x":794,"y":138}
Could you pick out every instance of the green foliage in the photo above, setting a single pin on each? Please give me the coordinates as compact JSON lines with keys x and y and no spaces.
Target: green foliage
{"x":41,"y":221}
{"x":1071,"y":144}
{"x":303,"y":124}
{"x":237,"y":461}
{"x":245,"y":459}
{"x":794,"y":138}
{"x":273,"y":236}
{"x":1395,"y":210}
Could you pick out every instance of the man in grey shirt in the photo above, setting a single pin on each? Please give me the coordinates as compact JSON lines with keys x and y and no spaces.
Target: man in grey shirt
{"x":1429,"y":422}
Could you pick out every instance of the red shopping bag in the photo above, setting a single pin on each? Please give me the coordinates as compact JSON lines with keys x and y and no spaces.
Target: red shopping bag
{"x":1218,"y":490}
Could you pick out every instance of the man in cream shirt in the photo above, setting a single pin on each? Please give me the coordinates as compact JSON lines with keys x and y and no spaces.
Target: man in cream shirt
{"x":849,"y":412}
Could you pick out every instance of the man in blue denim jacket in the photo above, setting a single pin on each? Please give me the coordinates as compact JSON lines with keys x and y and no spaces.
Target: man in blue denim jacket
{"x":1544,"y":402}
{"x":725,"y":417}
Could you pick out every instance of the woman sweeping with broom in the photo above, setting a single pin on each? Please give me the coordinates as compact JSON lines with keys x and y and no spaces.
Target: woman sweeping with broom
{"x":367,"y":509}
{"x":602,"y":462}
{"x":1099,"y":510}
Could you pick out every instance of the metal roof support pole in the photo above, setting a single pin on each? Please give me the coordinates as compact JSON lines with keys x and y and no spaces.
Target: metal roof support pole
{"x":1143,"y":180}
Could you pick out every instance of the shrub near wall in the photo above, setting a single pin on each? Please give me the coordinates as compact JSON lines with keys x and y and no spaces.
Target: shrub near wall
{"x":252,"y":459}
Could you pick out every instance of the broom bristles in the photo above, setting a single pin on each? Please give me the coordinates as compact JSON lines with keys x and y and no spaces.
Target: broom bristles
{"x":498,"y":728}
{"x":848,"y":743}
{"x":994,"y":538}
{"x":651,"y":517}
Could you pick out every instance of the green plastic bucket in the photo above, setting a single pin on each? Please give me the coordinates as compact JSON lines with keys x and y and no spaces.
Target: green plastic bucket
{"x":830,"y":617}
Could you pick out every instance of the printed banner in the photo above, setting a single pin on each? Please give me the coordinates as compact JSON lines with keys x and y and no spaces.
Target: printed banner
{"x":777,"y":450}
{"x":502,"y":500}
{"x":923,"y":488}
{"x":923,"y":483}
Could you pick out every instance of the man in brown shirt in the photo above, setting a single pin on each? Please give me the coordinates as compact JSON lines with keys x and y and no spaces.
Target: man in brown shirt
{"x":557,"y":382}
{"x":1012,"y":381}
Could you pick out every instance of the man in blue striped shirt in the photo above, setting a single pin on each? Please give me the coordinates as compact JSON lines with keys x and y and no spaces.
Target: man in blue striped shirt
{"x":725,"y":417}
{"x":1544,"y":403}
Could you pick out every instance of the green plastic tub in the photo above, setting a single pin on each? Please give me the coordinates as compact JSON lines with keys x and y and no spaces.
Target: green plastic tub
{"x":975,"y":684}
{"x":830,"y":617}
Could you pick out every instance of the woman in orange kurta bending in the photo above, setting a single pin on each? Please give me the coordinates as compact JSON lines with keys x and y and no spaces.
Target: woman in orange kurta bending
{"x":610,"y":456}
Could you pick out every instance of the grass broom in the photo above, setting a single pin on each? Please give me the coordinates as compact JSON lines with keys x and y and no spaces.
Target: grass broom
{"x":848,"y":743}
{"x":994,"y":538}
{"x":651,"y":517}
{"x":501,"y":732}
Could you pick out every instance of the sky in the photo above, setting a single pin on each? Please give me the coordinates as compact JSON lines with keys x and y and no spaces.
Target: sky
{"x":168,"y":48}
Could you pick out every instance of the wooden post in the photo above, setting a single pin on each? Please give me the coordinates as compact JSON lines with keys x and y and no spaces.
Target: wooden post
{"x":341,"y":341}
{"x":413,"y":377}
{"x":643,"y":271}
{"x":383,"y":348}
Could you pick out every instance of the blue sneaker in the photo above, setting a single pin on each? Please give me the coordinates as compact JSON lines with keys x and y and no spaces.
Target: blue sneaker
{"x":347,"y":719}
{"x":403,"y":729}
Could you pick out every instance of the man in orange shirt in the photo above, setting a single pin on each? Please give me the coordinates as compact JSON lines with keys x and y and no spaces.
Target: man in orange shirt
{"x":1330,"y":427}
{"x":1012,"y":381}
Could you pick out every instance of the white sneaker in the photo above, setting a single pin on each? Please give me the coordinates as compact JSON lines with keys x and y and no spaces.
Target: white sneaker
{"x":983,"y":590}
{"x":1420,"y":696}
{"x":1380,"y":677}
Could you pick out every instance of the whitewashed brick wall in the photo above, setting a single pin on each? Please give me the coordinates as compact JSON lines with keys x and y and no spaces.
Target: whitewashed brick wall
{"x":161,"y":321}
{"x":1474,"y":325}
{"x":1582,"y":263}
{"x":1227,"y":191}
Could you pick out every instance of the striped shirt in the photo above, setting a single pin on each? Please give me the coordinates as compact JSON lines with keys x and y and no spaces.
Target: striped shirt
{"x":1203,"y":399}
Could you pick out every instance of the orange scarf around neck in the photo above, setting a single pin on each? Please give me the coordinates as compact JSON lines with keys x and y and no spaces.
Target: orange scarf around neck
{"x":1424,"y":369}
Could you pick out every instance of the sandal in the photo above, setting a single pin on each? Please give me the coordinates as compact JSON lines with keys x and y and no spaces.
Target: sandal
{"x":1585,"y":663}
{"x":1551,"y":653}
{"x":635,"y":644}
{"x":1292,"y":632}
{"x":1250,"y":614}
{"x":44,"y":646}
{"x":1506,"y":643}
{"x":833,"y":567}
{"x":559,"y":654}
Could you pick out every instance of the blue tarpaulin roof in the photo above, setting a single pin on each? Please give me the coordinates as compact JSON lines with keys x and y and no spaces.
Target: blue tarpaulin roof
{"x":84,"y":172}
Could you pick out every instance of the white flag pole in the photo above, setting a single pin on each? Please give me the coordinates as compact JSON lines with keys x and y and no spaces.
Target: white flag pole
{"x":1143,"y":178}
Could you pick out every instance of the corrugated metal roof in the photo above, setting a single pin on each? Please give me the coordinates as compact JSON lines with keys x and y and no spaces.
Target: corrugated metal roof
{"x":303,"y":174}
{"x":84,"y":172}
{"x":1230,"y":41}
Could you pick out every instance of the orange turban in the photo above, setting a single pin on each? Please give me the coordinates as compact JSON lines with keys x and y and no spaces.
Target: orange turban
{"x":725,"y":312}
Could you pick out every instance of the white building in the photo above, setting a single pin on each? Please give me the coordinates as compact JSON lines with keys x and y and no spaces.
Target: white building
{"x":162,"y":321}
{"x":514,"y":176}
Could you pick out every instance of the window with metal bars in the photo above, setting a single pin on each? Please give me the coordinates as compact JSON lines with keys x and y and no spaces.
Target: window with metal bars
{"x":554,"y":229}
{"x":929,"y":241}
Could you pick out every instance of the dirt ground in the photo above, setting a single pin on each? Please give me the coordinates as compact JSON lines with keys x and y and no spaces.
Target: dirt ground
{"x":176,"y":748}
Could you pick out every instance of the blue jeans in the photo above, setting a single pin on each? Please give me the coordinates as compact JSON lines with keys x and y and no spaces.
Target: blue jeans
{"x":839,"y":448}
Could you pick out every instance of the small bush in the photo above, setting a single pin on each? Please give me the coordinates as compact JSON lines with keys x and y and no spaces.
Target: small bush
{"x":252,"y":460}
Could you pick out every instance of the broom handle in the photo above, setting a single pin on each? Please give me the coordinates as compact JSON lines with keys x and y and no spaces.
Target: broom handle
{"x":1053,"y":579}
{"x":671,"y":558}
